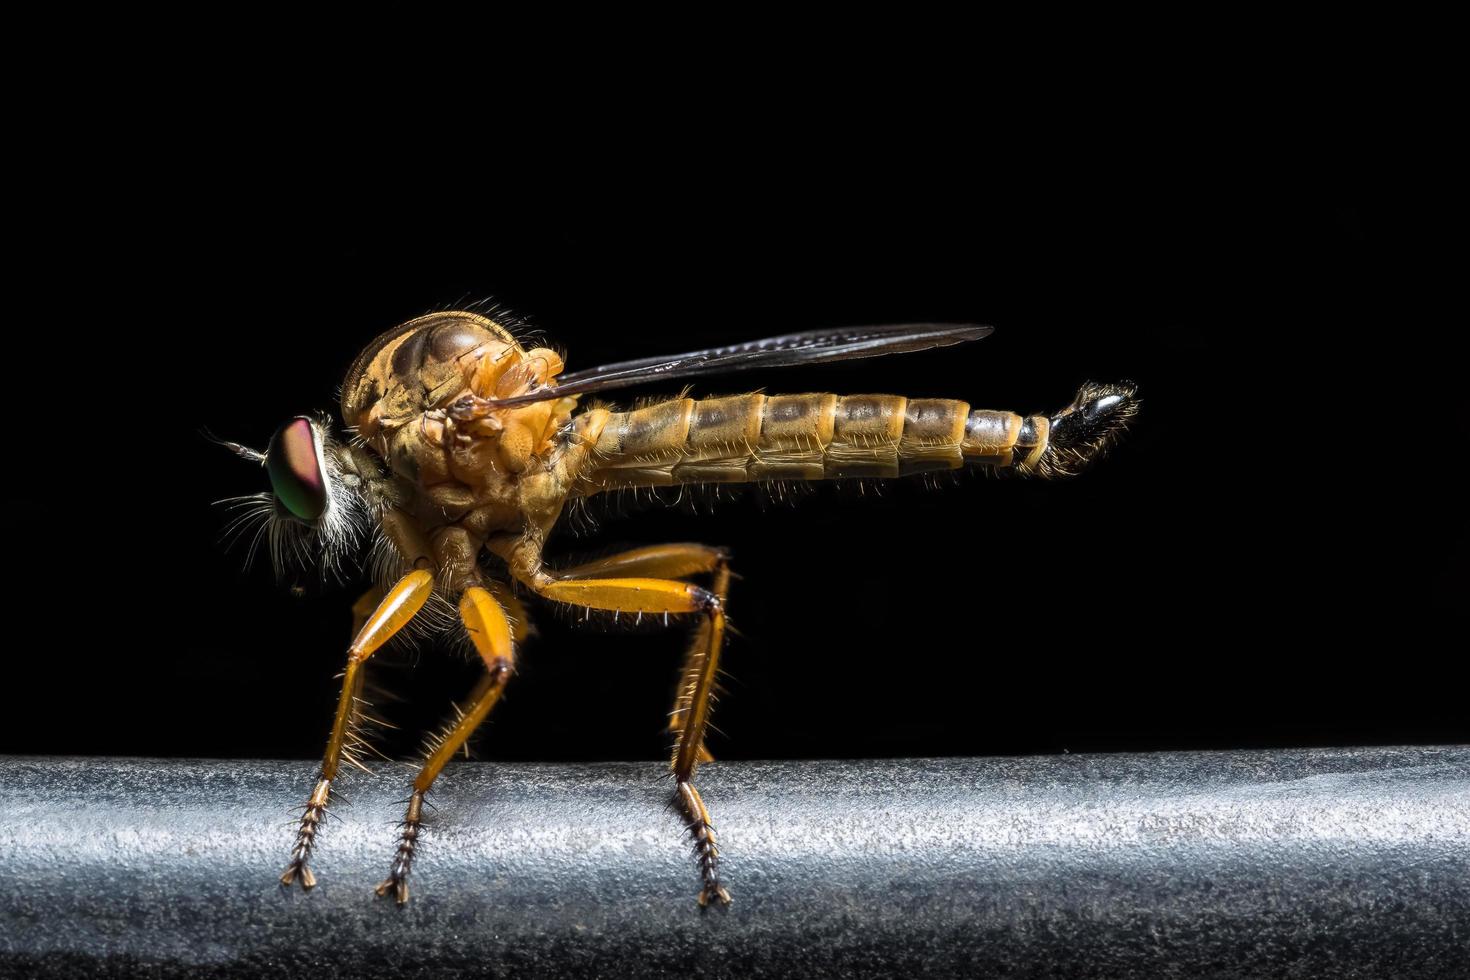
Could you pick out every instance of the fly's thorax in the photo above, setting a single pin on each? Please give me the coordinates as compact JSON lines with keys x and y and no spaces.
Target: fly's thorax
{"x":398,"y":389}
{"x":408,"y":369}
{"x":427,"y":363}
{"x":501,"y":447}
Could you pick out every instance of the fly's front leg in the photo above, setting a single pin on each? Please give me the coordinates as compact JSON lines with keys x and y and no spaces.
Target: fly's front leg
{"x":397,"y":607}
{"x":364,"y":606}
{"x":655,"y":595}
{"x":673,"y":561}
{"x":493,"y":637}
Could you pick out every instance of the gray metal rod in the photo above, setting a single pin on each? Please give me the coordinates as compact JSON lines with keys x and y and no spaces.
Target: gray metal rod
{"x":1303,"y":863}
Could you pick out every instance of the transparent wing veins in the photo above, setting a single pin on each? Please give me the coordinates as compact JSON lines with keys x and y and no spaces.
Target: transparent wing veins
{"x":816,"y":346}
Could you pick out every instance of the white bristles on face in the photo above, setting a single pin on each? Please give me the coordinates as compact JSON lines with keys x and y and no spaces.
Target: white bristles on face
{"x":324,"y":546}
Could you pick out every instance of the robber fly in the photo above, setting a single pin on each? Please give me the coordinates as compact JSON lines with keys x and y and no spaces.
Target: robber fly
{"x":468,"y":445}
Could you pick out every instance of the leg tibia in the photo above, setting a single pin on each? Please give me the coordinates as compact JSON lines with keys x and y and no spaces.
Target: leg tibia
{"x":491,"y":633}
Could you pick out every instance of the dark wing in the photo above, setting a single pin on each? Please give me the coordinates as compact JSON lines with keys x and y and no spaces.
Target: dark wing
{"x":840,"y":344}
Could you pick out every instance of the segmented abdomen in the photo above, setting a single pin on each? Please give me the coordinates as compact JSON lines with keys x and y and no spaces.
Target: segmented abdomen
{"x":806,"y":437}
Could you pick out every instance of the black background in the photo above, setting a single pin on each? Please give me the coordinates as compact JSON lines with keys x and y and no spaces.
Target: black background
{"x":1275,"y":556}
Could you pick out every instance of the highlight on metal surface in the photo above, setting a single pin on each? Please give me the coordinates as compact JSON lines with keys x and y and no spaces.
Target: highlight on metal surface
{"x":1304,"y":863}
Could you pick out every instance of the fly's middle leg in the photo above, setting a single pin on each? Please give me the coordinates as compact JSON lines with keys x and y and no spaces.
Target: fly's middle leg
{"x":493,"y":636}
{"x":657,"y":596}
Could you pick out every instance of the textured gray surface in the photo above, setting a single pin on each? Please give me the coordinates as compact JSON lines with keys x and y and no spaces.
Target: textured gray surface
{"x":1328,"y":863}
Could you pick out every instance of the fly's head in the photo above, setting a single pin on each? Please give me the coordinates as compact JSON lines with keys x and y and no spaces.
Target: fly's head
{"x":406,"y":392}
{"x":316,"y":514}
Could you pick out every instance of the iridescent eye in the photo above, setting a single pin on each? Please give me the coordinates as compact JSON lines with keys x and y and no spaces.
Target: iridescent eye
{"x":294,"y":462}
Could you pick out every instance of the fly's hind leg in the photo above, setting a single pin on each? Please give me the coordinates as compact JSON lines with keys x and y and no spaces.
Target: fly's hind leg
{"x":689,"y":678}
{"x":374,"y":629}
{"x":494,"y":639}
{"x":659,"y":595}
{"x":673,"y":561}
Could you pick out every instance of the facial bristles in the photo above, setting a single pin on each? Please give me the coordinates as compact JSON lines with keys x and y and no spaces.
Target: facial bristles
{"x":304,"y":533}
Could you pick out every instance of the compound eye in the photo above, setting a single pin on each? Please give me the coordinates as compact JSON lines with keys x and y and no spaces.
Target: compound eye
{"x":294,"y":462}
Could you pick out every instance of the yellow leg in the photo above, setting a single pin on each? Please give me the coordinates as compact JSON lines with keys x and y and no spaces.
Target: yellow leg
{"x":491,"y":633}
{"x":655,"y":595}
{"x":689,"y":678}
{"x":673,"y":561}
{"x":364,"y":607}
{"x":515,"y":611}
{"x":400,"y":605}
{"x":655,"y":561}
